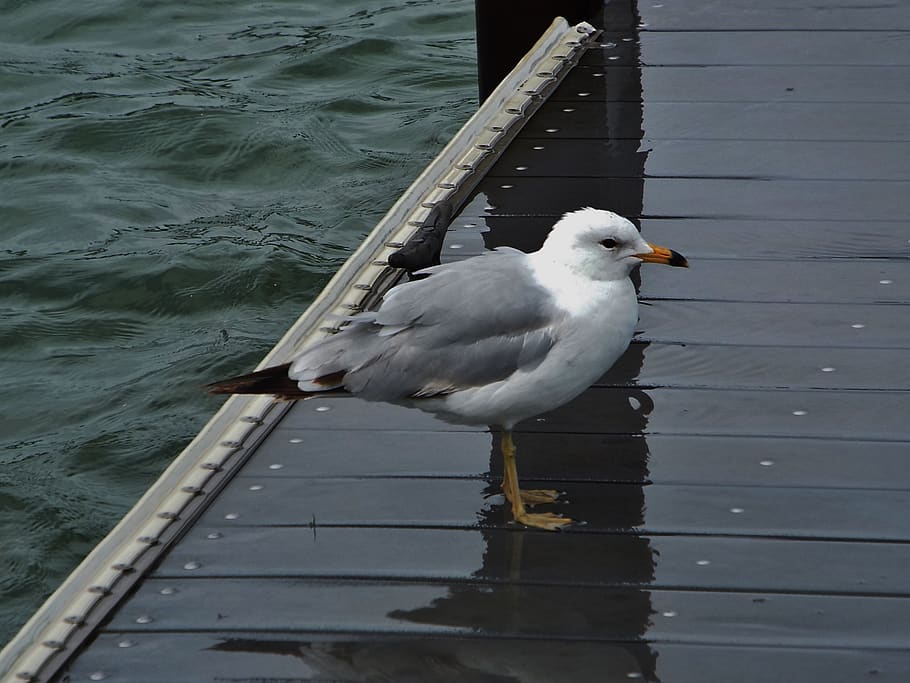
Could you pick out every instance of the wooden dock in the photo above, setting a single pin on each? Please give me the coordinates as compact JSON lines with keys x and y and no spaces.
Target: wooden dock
{"x":742,"y":474}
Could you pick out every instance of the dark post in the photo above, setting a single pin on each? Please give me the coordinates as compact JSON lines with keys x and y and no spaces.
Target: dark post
{"x":507,"y":30}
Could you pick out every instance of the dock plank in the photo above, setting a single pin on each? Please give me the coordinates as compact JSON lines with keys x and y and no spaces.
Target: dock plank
{"x":801,"y":16}
{"x":619,"y":560}
{"x":715,"y":47}
{"x":606,"y":410}
{"x":796,"y":83}
{"x":856,"y":326}
{"x":746,"y":279}
{"x":823,"y":513}
{"x":554,"y":612}
{"x":817,"y":282}
{"x":774,"y":120}
{"x":703,"y":238}
{"x":304,"y":450}
{"x":885,"y":161}
{"x":836,"y":200}
{"x":252,"y":657}
{"x":760,"y":367}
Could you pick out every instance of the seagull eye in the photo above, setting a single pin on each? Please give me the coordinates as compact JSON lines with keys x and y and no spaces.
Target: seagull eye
{"x":609,"y":243}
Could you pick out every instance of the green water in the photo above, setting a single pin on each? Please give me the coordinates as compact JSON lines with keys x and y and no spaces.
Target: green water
{"x":177,"y":181}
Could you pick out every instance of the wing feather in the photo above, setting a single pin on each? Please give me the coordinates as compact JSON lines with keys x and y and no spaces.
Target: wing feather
{"x":468,"y":324}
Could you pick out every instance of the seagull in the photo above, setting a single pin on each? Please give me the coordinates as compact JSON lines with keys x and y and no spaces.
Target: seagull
{"x":490,"y":340}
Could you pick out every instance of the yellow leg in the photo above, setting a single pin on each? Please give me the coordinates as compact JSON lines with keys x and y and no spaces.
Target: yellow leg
{"x":528,"y":496}
{"x":518,"y":498}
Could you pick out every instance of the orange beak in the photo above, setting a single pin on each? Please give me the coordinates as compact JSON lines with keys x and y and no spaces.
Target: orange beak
{"x":665,"y":256}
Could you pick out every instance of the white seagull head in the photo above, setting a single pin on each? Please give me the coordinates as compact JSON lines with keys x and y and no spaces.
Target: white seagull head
{"x":602,"y":245}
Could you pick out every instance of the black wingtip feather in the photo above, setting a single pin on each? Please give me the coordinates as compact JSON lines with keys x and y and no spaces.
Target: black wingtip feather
{"x":273,"y":380}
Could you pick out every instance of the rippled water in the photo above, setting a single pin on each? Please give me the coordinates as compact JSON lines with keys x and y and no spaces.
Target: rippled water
{"x":177,"y":180}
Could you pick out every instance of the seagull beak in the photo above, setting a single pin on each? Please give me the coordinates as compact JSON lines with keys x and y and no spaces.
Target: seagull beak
{"x":665,"y":256}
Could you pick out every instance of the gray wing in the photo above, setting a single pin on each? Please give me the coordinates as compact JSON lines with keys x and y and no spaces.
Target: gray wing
{"x":467,"y":324}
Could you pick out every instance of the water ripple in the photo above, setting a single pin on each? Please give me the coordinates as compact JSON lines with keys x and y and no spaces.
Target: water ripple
{"x":179,"y":181}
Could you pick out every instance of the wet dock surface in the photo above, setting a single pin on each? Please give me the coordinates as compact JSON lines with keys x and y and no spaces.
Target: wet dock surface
{"x":742,"y":474}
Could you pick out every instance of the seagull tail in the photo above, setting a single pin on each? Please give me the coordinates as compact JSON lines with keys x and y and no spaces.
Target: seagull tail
{"x":273,"y":380}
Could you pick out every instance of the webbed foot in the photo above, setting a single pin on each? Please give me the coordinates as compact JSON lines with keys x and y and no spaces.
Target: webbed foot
{"x":543,"y":520}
